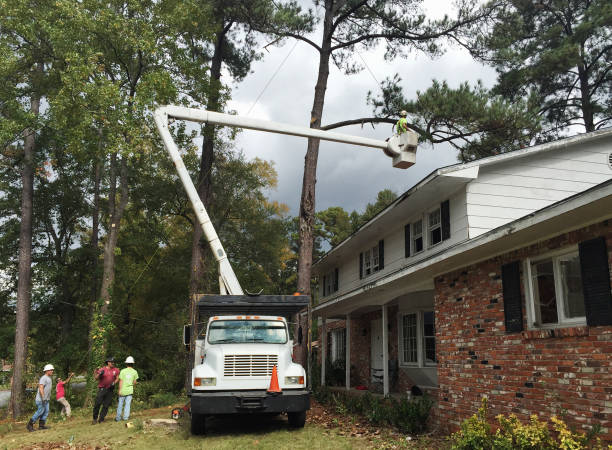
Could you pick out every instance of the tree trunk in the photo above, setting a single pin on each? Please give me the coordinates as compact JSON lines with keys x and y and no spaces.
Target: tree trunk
{"x":24,"y":292}
{"x":95,"y":225}
{"x":307,"y":202}
{"x":585,"y":96}
{"x":204,"y":191}
{"x":116,"y":214}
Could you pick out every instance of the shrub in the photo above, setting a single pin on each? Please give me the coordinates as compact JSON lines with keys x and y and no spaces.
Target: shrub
{"x":162,"y":399}
{"x":476,"y":433}
{"x":411,"y":415}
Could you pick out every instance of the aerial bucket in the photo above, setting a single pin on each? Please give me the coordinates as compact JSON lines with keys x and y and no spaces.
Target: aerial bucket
{"x":402,"y":148}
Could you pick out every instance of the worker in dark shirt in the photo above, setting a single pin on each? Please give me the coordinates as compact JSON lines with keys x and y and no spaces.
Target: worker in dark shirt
{"x":107,"y":376}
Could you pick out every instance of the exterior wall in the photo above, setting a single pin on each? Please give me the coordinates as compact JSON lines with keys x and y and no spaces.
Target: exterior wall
{"x":348,"y":273}
{"x":531,"y":372}
{"x":506,"y":191}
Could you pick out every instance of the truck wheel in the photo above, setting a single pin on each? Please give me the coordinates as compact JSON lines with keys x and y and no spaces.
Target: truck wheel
{"x":297,"y":419}
{"x":198,"y":424}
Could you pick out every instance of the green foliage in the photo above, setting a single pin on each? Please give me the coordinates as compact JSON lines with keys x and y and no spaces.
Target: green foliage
{"x":473,"y":120}
{"x":557,"y":51}
{"x":477,"y":433}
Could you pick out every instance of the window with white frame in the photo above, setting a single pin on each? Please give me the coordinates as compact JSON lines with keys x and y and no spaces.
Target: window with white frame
{"x":417,"y":236}
{"x":418,"y":339}
{"x":371,"y":261}
{"x":555,"y":288}
{"x":338,"y":345}
{"x":435,"y":227}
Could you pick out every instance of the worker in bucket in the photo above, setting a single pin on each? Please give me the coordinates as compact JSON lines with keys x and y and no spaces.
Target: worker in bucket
{"x":43,"y":395}
{"x":402,"y":124}
{"x":127,"y":380}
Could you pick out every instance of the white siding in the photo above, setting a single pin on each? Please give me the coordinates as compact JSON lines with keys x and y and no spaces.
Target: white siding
{"x":395,"y":247}
{"x":507,"y":191}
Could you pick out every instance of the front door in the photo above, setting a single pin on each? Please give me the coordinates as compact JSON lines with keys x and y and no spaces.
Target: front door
{"x":376,"y":351}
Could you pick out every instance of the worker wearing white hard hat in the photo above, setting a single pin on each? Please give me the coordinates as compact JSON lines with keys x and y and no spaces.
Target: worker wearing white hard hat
{"x":127,"y":380}
{"x":43,"y":395}
{"x":402,"y":123}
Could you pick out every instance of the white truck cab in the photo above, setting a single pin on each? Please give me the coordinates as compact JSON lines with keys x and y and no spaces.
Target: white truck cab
{"x":243,"y":362}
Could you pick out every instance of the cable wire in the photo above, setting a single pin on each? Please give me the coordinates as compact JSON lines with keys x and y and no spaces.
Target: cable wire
{"x":272,"y":77}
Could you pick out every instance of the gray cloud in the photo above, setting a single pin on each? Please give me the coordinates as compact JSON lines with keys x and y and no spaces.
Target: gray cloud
{"x":347,"y":176}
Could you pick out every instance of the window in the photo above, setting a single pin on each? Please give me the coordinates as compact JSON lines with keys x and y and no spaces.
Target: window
{"x":247,"y":331}
{"x":429,"y":338}
{"x":409,"y":327}
{"x":556,"y":294}
{"x":330,"y":282}
{"x":371,"y":260}
{"x":418,"y":339}
{"x":435,"y":227}
{"x":367,"y":262}
{"x":417,"y":239}
{"x":338,"y":345}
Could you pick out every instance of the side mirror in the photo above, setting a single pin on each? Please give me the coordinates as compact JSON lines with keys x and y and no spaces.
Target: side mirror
{"x":300,"y":335}
{"x":186,"y":336}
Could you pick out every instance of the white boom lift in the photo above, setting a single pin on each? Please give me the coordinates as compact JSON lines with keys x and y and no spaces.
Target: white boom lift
{"x":243,"y":362}
{"x":401,"y":148}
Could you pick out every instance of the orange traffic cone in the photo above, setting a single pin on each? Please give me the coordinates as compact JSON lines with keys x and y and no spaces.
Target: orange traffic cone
{"x":274,"y":387}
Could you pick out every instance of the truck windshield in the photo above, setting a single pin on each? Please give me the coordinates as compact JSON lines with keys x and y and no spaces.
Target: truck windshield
{"x":247,"y":331}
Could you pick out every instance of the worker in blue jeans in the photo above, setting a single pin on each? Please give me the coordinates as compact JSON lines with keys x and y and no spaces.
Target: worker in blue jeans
{"x":43,"y":395}
{"x":127,"y":380}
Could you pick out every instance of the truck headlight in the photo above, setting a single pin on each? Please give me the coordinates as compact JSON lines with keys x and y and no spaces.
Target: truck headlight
{"x":204,"y":381}
{"x":294,"y":380}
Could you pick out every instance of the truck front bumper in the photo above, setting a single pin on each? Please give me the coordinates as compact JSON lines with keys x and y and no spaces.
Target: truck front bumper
{"x":232,"y":402}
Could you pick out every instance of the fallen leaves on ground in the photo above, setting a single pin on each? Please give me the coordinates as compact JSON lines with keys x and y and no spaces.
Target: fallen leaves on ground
{"x":379,"y":436}
{"x":63,"y":445}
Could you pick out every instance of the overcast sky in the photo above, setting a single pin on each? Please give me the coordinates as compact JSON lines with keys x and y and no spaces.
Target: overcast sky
{"x":347,"y":176}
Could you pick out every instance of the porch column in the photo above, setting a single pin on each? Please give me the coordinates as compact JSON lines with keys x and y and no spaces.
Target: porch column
{"x":323,"y":349}
{"x":348,"y":351}
{"x":385,"y":343}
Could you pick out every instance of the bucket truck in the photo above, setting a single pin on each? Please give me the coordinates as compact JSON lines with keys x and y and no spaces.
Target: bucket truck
{"x":243,"y":359}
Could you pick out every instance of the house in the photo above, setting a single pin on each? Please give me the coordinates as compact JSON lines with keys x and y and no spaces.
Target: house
{"x":485,"y":278}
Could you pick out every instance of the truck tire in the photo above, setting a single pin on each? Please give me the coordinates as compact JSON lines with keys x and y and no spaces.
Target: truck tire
{"x":297,"y":419}
{"x":198,"y":424}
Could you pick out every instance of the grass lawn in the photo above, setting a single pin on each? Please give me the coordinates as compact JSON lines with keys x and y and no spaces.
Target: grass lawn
{"x":323,"y":430}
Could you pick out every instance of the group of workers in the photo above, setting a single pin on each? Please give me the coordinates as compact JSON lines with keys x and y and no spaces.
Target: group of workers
{"x":107,"y":376}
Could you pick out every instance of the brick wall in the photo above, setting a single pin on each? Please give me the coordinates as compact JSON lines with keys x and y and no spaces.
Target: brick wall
{"x":533,"y":372}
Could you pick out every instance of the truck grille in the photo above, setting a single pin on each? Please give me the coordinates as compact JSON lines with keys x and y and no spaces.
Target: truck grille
{"x":249,"y":365}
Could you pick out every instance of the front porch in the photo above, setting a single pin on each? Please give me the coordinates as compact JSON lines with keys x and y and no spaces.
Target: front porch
{"x":386,"y":349}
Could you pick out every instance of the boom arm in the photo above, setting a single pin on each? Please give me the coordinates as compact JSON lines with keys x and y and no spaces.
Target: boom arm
{"x":401,"y":148}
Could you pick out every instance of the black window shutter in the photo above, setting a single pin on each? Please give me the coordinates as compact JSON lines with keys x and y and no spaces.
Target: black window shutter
{"x":324,"y":285}
{"x":445,"y":219}
{"x":381,"y":254}
{"x":360,"y":266}
{"x":595,"y":273}
{"x":407,"y":241}
{"x":511,"y":283}
{"x":336,"y":283}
